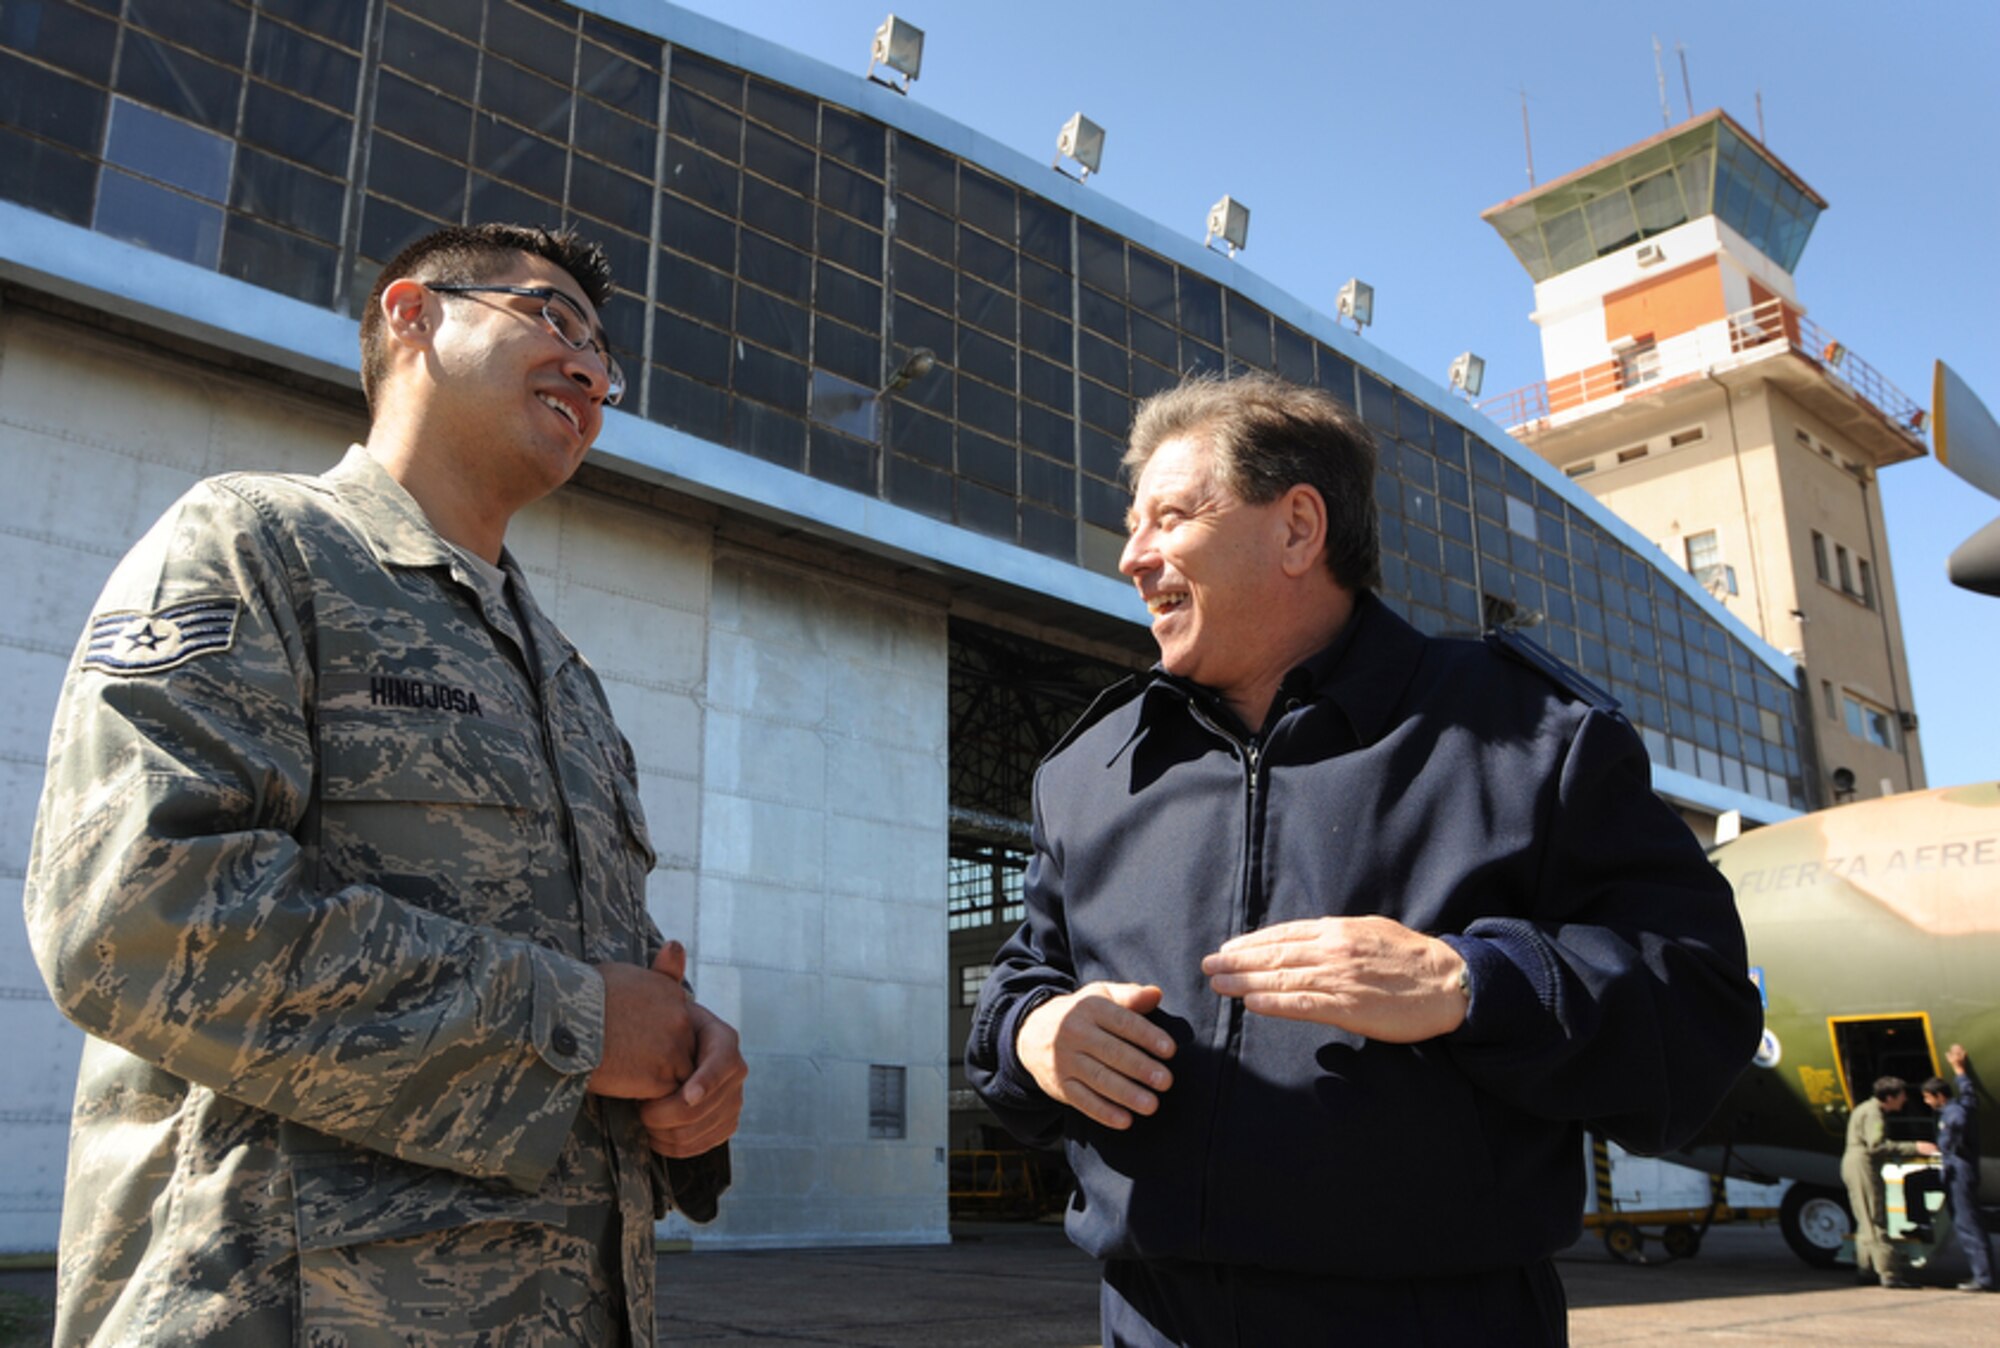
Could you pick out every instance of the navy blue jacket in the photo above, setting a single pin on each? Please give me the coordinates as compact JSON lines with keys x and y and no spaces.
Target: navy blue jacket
{"x":1448,"y":785}
{"x":1958,"y":1130}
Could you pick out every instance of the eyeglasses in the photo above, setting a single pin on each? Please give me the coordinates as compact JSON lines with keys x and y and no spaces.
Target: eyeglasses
{"x":565,"y":320}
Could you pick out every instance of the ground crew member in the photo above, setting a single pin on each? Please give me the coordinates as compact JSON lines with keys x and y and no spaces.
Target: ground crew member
{"x":1337,"y":935}
{"x":1868,"y":1147}
{"x":341,"y":865}
{"x":1958,"y":1149}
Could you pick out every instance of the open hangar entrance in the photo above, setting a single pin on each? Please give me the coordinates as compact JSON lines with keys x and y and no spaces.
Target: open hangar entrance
{"x":1013,"y":697}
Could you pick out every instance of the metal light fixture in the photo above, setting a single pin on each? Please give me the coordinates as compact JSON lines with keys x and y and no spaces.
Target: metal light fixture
{"x":1356,"y":304}
{"x":1228,"y":220}
{"x":1468,"y":374}
{"x":1083,"y":141}
{"x":900,"y":47}
{"x":916,"y":365}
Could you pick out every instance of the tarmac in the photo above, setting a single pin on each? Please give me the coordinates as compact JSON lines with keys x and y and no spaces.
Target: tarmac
{"x":1008,"y":1285}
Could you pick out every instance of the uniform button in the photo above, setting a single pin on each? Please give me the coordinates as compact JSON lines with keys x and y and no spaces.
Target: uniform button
{"x":1293,"y":704}
{"x":562,"y":1041}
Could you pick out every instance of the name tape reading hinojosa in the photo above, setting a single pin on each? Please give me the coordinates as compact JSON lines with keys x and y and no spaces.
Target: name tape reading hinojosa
{"x":146,"y":643}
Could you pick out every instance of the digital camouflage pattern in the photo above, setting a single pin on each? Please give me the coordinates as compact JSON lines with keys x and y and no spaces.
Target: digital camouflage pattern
{"x":326,"y":846}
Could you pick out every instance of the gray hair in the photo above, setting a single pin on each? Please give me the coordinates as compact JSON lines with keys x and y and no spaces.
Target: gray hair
{"x":1265,"y":436}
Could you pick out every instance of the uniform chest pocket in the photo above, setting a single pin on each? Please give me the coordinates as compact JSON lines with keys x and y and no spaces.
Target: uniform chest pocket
{"x":432,"y":759}
{"x":447,"y":811}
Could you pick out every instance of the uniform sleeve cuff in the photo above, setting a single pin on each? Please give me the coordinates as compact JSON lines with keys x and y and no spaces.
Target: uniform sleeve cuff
{"x":1503,"y":1001}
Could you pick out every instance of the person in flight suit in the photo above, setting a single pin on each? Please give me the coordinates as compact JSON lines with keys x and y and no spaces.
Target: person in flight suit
{"x":1958,"y":1150}
{"x":1876,"y":1258}
{"x":341,"y":866}
{"x":1338,"y":935}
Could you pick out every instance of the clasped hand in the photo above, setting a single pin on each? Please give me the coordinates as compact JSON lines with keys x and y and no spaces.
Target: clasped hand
{"x":663,"y":1047}
{"x":1095,"y":1051}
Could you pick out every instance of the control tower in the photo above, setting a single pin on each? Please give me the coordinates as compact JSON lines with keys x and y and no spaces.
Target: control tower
{"x":1688,"y":390}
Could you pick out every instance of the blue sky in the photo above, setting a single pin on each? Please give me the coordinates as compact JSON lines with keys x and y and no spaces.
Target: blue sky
{"x":1366,"y":139}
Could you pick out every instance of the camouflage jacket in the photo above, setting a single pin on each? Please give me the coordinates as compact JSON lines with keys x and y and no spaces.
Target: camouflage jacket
{"x":324,"y":853}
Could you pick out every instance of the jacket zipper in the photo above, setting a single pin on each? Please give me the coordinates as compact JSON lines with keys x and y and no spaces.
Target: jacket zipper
{"x":1228,"y":1024}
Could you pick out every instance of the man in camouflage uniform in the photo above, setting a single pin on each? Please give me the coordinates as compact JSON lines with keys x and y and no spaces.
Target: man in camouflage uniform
{"x":341,"y":865}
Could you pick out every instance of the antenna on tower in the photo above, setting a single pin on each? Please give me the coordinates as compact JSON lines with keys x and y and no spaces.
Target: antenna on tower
{"x":1527,"y":140}
{"x":1660,"y":74}
{"x":1761,"y":140}
{"x":1687,"y":89}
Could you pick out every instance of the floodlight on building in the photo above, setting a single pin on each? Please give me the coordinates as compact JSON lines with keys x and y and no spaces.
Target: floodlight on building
{"x":1356,"y":304}
{"x":1083,"y":141}
{"x":916,"y":365}
{"x":1468,"y":374}
{"x":900,"y":47}
{"x":1228,"y":220}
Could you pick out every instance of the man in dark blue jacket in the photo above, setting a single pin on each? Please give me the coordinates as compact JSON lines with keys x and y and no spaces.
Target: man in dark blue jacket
{"x":1337,"y":935}
{"x":1958,"y":1150}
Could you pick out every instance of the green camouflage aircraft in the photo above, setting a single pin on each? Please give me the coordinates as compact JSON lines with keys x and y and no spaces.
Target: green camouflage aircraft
{"x":1874,"y":934}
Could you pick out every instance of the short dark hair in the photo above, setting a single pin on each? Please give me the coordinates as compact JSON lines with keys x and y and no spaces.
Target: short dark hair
{"x":469,"y":255}
{"x":1888,"y":1086}
{"x":1267,"y":435}
{"x":1937,"y":1086}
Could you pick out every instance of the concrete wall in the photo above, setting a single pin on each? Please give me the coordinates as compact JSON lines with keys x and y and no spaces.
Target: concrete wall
{"x":790,"y":725}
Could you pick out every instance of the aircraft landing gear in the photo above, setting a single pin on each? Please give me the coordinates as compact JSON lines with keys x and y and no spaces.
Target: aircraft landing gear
{"x":1815,"y":1220}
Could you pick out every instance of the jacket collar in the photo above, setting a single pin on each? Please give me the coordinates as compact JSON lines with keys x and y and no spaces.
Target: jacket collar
{"x":1362,"y":672}
{"x":400,"y":534}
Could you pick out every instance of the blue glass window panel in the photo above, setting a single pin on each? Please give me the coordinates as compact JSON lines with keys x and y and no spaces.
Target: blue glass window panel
{"x":1152,"y":284}
{"x":989,"y":308}
{"x":854,"y":141}
{"x":269,"y":187}
{"x":497,"y":199}
{"x":1050,"y":385}
{"x":699,"y":234}
{"x":1045,"y":231}
{"x":927,"y":174}
{"x":47,"y":178}
{"x":1049,"y":433}
{"x":61,"y":35}
{"x":987,"y":459}
{"x":386,"y":228}
{"x":794,"y":113}
{"x":50,"y":105}
{"x":780,"y":160}
{"x":297,"y":129}
{"x":172,"y":151}
{"x":988,"y":409}
{"x":1249,"y":332}
{"x":848,"y":352}
{"x":437,"y":57}
{"x":461,"y":16}
{"x":986,"y":203}
{"x":917,"y":326}
{"x":525,"y":99}
{"x":773,"y":210}
{"x":154,"y":217}
{"x":846,"y":406}
{"x":920,"y":435}
{"x":421,"y":116}
{"x":916,"y":487}
{"x":526,"y":162}
{"x":306,"y":67}
{"x":1106,"y":362}
{"x":340,"y":21}
{"x":618,"y":82}
{"x":986,"y":357}
{"x":1201,"y":308}
{"x":531,"y":40}
{"x":775,"y":323}
{"x":848,"y":298}
{"x":770,"y":378}
{"x":1049,"y":482}
{"x":720,"y":82}
{"x":705,"y":124}
{"x":1101,"y":454}
{"x":1044,"y":286}
{"x":215,"y":28}
{"x":276,"y":260}
{"x":1656,"y":201}
{"x":989,"y":512}
{"x":1051,"y":534}
{"x":693,"y":349}
{"x":612,"y":196}
{"x":178,"y":82}
{"x":1100,"y":259}
{"x":857,"y":195}
{"x":856,"y":247}
{"x":428,"y":182}
{"x":1104,"y":504}
{"x":993,"y":263}
{"x":688,"y":406}
{"x":843,"y":461}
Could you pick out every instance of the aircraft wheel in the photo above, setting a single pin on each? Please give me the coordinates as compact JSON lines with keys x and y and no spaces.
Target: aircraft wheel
{"x":1682,"y":1241}
{"x":1815,"y":1220}
{"x":1622,"y":1240}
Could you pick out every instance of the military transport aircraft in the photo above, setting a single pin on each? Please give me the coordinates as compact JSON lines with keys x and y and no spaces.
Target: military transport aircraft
{"x":1874,"y":934}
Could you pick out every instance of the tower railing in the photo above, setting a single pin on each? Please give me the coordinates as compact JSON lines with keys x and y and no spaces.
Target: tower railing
{"x":1637,"y":369}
